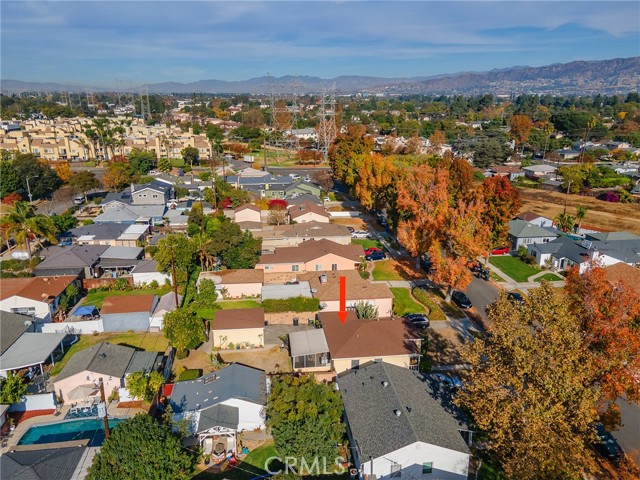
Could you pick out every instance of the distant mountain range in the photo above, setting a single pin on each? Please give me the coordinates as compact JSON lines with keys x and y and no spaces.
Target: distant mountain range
{"x":619,"y":75}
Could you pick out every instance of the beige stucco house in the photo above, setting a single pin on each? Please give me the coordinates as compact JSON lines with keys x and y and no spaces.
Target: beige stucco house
{"x":247,"y":213}
{"x":308,"y":212}
{"x":242,"y":326}
{"x":235,"y":283}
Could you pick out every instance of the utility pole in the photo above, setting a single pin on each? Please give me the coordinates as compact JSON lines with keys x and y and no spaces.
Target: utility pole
{"x":173,"y":275}
{"x":566,"y":196}
{"x":29,"y":189}
{"x":105,"y":419}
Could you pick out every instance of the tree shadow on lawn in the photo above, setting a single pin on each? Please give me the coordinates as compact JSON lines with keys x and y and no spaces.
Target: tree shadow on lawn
{"x":405,"y":267}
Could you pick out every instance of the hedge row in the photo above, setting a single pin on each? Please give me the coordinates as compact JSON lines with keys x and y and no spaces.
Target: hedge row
{"x":189,"y":375}
{"x":296,"y":304}
{"x":435,"y":313}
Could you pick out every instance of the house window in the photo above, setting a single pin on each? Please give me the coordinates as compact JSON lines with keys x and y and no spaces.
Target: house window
{"x":318,"y":267}
{"x":154,"y":195}
{"x":427,"y":467}
{"x":295,"y":268}
{"x":334,"y":266}
{"x":396,"y":470}
{"x":25,"y":311}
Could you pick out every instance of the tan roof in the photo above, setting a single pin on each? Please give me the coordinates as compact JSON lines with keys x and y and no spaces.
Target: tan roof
{"x":623,"y":273}
{"x":356,"y":287}
{"x":310,"y":250}
{"x":128,"y":304}
{"x":297,"y":211}
{"x":227,"y":277}
{"x":44,"y":289}
{"x":238,"y":318}
{"x":358,"y":338}
{"x":505,"y":169}
{"x":304,"y":230}
{"x":249,"y":206}
{"x":527,"y":216}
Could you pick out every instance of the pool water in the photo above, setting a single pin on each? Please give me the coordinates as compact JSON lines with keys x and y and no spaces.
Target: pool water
{"x":92,"y":429}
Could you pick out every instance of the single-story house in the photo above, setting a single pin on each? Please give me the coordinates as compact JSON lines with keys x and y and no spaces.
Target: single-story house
{"x":247,"y":213}
{"x":358,"y":341}
{"x":302,"y":187}
{"x":235,"y":283}
{"x":523,"y":233}
{"x":120,"y":260}
{"x":221,"y":403}
{"x":397,"y":429}
{"x":166,"y":304}
{"x":309,"y":351}
{"x":86,"y":367}
{"x":132,"y":214}
{"x":116,"y":234}
{"x":300,"y":198}
{"x":242,"y":326}
{"x":537,"y":171}
{"x":623,"y":273}
{"x":311,"y":256}
{"x":325,"y":286}
{"x":509,"y":171}
{"x":535,"y":219}
{"x":131,"y":312}
{"x":277,"y":291}
{"x":146,"y":271}
{"x":30,"y":463}
{"x":78,"y":260}
{"x":38,"y":297}
{"x":274,"y":236}
{"x":308,"y":212}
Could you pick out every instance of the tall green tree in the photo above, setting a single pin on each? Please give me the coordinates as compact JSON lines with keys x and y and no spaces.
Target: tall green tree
{"x":141,"y":448}
{"x":488,"y":152}
{"x":27,"y":165}
{"x":305,"y":418}
{"x":84,"y":182}
{"x":175,"y":250}
{"x":184,"y":330}
{"x":190,"y":155}
{"x":12,"y":388}
{"x":529,"y":390}
{"x":142,"y":161}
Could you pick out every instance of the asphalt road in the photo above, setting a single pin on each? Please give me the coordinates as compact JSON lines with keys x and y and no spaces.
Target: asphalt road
{"x":481,"y":293}
{"x":629,"y":435}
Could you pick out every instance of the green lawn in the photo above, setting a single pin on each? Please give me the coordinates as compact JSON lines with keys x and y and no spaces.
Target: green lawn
{"x":495,"y":276}
{"x":97,"y":298}
{"x":367,"y":243}
{"x":513,"y":267}
{"x":403,"y":302}
{"x":228,"y":305}
{"x":552,"y":277}
{"x":385,"y":270}
{"x":155,"y":342}
{"x":252,"y":465}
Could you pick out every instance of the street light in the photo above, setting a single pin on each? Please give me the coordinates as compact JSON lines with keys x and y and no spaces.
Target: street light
{"x":29,"y":189}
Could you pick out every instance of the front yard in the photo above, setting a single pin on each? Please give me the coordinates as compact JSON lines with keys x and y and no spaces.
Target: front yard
{"x":552,"y":277}
{"x":391,"y":269}
{"x":153,"y":342}
{"x":513,"y":267}
{"x":368,"y":243}
{"x":403,"y":302}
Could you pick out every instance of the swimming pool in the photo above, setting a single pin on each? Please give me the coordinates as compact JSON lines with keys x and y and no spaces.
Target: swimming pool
{"x":93,"y":429}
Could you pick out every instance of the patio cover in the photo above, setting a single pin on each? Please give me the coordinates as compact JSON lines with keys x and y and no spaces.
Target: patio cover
{"x":83,"y":391}
{"x":276,"y":292}
{"x":30,"y":349}
{"x":85,"y":310}
{"x":308,"y":342}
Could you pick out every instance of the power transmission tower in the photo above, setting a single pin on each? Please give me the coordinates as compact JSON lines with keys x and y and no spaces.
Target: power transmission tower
{"x":284,"y":108}
{"x":145,"y":109}
{"x":327,"y":127}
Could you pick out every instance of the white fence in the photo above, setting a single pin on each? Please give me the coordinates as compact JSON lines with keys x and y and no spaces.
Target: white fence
{"x":86,"y":327}
{"x":348,"y":214}
{"x":40,"y":401}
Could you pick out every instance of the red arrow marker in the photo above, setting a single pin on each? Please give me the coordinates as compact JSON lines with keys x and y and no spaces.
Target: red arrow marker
{"x":342,"y":314}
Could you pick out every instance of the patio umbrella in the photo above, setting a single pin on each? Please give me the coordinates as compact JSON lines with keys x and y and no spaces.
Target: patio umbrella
{"x":83,"y":391}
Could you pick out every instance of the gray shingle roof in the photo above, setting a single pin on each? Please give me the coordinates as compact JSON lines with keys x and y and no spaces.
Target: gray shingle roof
{"x":521,"y":229}
{"x":79,"y":256}
{"x":105,"y":358}
{"x":100,"y":231}
{"x":233,"y":381}
{"x":371,"y":407}
{"x":218,"y":416}
{"x":144,"y":361}
{"x":50,"y":464}
{"x":146,"y":266}
{"x":12,"y":326}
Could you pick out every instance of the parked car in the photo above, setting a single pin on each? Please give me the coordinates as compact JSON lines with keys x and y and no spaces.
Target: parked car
{"x":607,"y":446}
{"x":376,"y":256}
{"x":426,"y":263}
{"x":381,"y":220}
{"x":370,"y":250}
{"x":515,"y":297}
{"x":420,"y":320}
{"x":78,"y":199}
{"x":461,"y":299}
{"x":500,"y":251}
{"x":351,"y":229}
{"x":451,"y":382}
{"x":360,"y":234}
{"x":326,"y":199}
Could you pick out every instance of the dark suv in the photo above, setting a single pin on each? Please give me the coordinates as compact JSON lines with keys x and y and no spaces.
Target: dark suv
{"x":376,"y":255}
{"x":419,"y":320}
{"x":461,"y":299}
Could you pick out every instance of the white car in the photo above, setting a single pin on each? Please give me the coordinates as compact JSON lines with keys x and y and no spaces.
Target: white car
{"x":326,"y":199}
{"x":360,"y":234}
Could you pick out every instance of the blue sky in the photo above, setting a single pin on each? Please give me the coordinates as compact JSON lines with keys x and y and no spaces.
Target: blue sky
{"x":94,"y":43}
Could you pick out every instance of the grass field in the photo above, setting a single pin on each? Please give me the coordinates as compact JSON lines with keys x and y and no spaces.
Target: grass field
{"x":97,"y":298}
{"x":513,"y":267}
{"x":385,"y":270}
{"x":403,"y":302}
{"x":495,"y":276}
{"x":155,"y":342}
{"x":552,"y":277}
{"x":253,"y":465}
{"x":228,"y":305}
{"x":367,"y":243}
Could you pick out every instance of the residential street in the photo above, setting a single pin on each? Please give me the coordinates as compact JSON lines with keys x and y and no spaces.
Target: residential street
{"x":481,"y":293}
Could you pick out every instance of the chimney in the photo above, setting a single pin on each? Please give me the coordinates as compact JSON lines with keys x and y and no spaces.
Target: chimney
{"x":133,"y":187}
{"x":323,"y":278}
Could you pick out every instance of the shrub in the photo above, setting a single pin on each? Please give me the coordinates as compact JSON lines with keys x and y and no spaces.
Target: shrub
{"x":189,"y":375}
{"x":154,"y":284}
{"x":435,"y":313}
{"x":296,"y":304}
{"x":366,"y":310}
{"x":14,"y":265}
{"x":364,"y":274}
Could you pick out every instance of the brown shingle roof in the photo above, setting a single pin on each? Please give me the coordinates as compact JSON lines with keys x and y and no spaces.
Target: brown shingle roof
{"x":227,"y":277}
{"x":358,"y":338}
{"x":248,"y":206}
{"x":303,"y":230}
{"x":623,"y":273}
{"x":527,"y":216}
{"x":128,"y":304}
{"x":297,"y":211}
{"x":238,"y":318}
{"x":310,"y":250}
{"x":43,"y":289}
{"x":357,"y":288}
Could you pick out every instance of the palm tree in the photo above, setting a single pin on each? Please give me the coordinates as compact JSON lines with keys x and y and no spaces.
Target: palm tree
{"x":24,"y":224}
{"x":564,"y":221}
{"x":581,"y":212}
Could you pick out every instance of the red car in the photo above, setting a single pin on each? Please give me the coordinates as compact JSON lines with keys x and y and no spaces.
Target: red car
{"x":500,"y":251}
{"x":370,"y":250}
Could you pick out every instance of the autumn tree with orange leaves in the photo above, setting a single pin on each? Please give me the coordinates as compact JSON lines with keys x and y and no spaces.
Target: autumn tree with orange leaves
{"x":503,"y":202}
{"x":63,"y":170}
{"x":521,"y":126}
{"x":450,"y":231}
{"x":375,"y":179}
{"x":347,"y":153}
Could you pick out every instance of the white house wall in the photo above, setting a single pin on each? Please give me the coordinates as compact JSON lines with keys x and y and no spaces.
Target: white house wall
{"x":42,"y":309}
{"x":447,"y":464}
{"x":148,"y":277}
{"x":250,"y":414}
{"x":384,"y":305}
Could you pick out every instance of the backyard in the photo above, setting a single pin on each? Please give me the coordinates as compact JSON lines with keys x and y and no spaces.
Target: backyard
{"x":227,"y":305}
{"x":155,"y":342}
{"x":97,"y":298}
{"x":513,"y":267}
{"x":252,"y":466}
{"x":403,"y":302}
